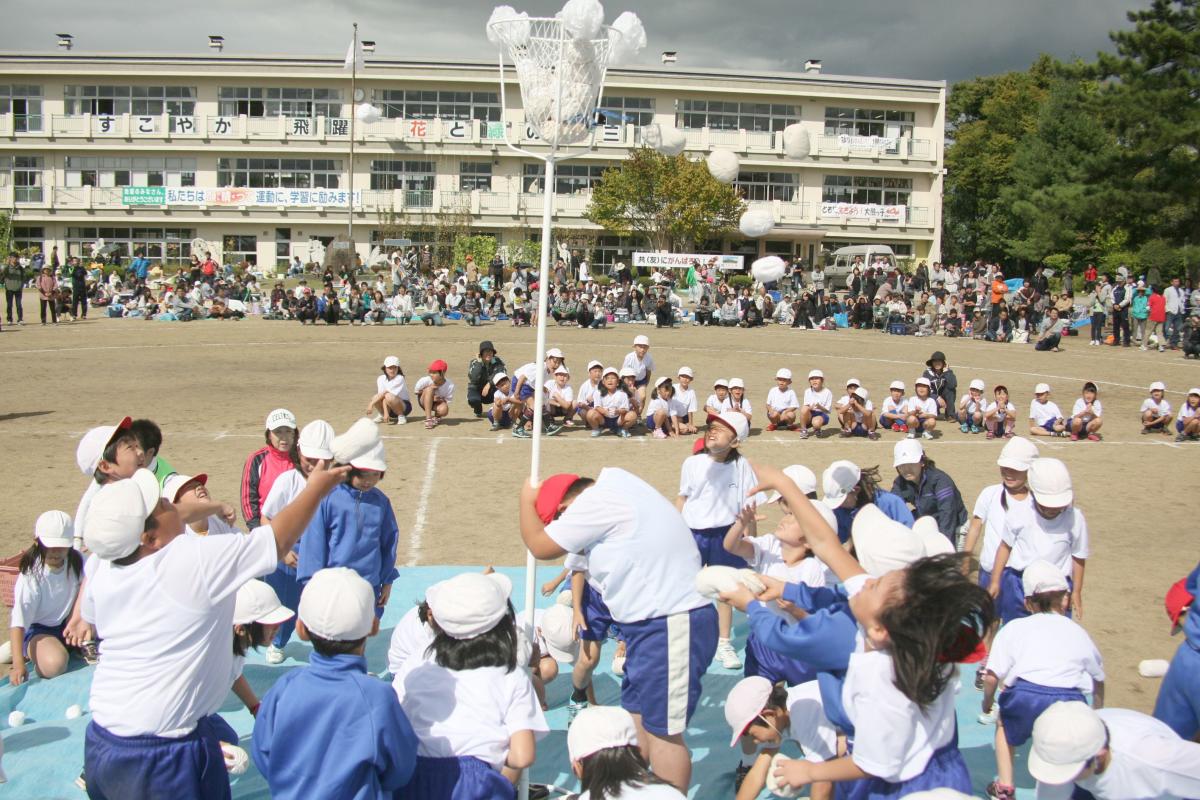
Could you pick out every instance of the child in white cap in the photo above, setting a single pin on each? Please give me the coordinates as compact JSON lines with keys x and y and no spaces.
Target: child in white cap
{"x":849,"y":488}
{"x":603,"y":747}
{"x":473,"y":708}
{"x":611,"y":409}
{"x":191,"y":492}
{"x":1087,"y":415}
{"x":782,"y":403}
{"x":818,"y":402}
{"x":525,"y":380}
{"x":856,"y":412}
{"x":105,"y":453}
{"x":1038,"y":660}
{"x":971,"y":408}
{"x":1045,"y":418}
{"x":48,"y":578}
{"x":664,"y":411}
{"x":267,"y":463}
{"x":737,"y":399}
{"x":1188,"y":424}
{"x":893,"y":414}
{"x":922,"y":410}
{"x":391,"y":402}
{"x":1000,"y":415}
{"x":504,"y":408}
{"x":642,"y":364}
{"x":686,"y":395}
{"x":560,"y":397}
{"x":330,"y":729}
{"x":589,"y":389}
{"x":257,"y":615}
{"x":1156,"y":410}
{"x":718,"y":401}
{"x":928,"y":490}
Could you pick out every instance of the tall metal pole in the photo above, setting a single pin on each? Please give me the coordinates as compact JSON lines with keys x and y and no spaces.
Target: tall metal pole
{"x":353,"y":114}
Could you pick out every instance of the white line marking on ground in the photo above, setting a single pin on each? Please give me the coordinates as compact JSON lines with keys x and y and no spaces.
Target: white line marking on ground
{"x":418,"y":526}
{"x":220,"y":436}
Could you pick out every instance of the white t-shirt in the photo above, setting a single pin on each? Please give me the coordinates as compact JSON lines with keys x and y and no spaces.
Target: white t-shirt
{"x":166,"y":630}
{"x":672,"y":406}
{"x":43,"y":596}
{"x":639,"y":367}
{"x":779,"y":400}
{"x":1041,"y":413}
{"x":1002,"y":411}
{"x":743,"y":405}
{"x":565,"y":394}
{"x":808,"y":724}
{"x":410,"y":639}
{"x":445,"y":391}
{"x":715,"y":490}
{"x":822,"y":400}
{"x":1149,"y":762}
{"x":894,"y":407}
{"x":81,"y":511}
{"x":768,"y":560}
{"x":396,"y":386}
{"x":928,"y":406}
{"x":529,"y":372}
{"x":216,"y":527}
{"x":633,"y":539}
{"x":588,"y":392}
{"x":657,"y":791}
{"x":687,"y":397}
{"x":1080,"y":405}
{"x":283,"y":491}
{"x":499,"y":397}
{"x":858,"y":415}
{"x":988,"y":508}
{"x":471,"y":712}
{"x":1057,"y":540}
{"x":972,"y":405}
{"x":608,"y":404}
{"x":1046,"y":649}
{"x":719,"y":405}
{"x":1187,"y":412}
{"x":1160,"y":408}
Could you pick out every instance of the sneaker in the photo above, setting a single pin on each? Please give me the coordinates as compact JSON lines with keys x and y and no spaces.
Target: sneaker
{"x":739,"y":775}
{"x":998,"y":791}
{"x":926,"y":435}
{"x":1179,"y":437}
{"x":91,"y":653}
{"x":274,"y":655}
{"x":903,"y":427}
{"x":991,"y":435}
{"x":377,"y":418}
{"x":594,"y":434}
{"x":495,"y":426}
{"x":990,"y":717}
{"x":727,"y":657}
{"x":873,"y":435}
{"x":897,"y":427}
{"x":1093,"y":437}
{"x":658,"y":434}
{"x":845,"y":434}
{"x":911,"y":435}
{"x":804,"y":433}
{"x":429,"y":423}
{"x":519,"y":432}
{"x":624,"y":434}
{"x":400,"y":420}
{"x":1074,"y":437}
{"x":771,"y":427}
{"x":573,"y":709}
{"x":553,"y":430}
{"x":964,"y":427}
{"x":976,"y":429}
{"x":1009,"y":434}
{"x":81,"y":781}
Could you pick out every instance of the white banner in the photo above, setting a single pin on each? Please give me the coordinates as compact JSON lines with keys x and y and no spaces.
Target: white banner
{"x":864,"y":211}
{"x":288,"y":198}
{"x":685,"y":260}
{"x":867,"y":142}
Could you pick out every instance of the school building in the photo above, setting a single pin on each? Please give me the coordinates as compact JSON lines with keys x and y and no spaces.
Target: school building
{"x":251,"y":154}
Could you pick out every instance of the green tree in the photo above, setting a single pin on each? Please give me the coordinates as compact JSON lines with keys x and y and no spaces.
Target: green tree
{"x":668,"y":201}
{"x":5,"y":233}
{"x":481,"y":248}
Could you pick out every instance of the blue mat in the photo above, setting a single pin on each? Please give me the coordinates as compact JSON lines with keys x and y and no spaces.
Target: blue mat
{"x":45,"y":755}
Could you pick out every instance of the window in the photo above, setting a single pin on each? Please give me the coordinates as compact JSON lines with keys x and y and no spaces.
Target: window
{"x":608,"y":250}
{"x":761,"y":186}
{"x":474,"y":175}
{"x":283,"y":245}
{"x":278,"y":102}
{"x":867,"y":122}
{"x":416,"y":178}
{"x":110,"y":171}
{"x":24,"y":103}
{"x":626,"y":110}
{"x":171,"y":245}
{"x":279,"y":173}
{"x":177,"y":101}
{"x":25,"y":237}
{"x":568,"y":178}
{"x":24,"y":174}
{"x":734,"y":116}
{"x":866,"y":189}
{"x":419,"y":104}
{"x":240,"y":248}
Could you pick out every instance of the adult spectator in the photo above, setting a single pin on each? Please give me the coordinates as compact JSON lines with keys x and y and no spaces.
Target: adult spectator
{"x":1039,"y":281}
{"x":943,"y":384}
{"x":139,"y":268}
{"x":1122,"y":300}
{"x":704,"y":311}
{"x":14,"y":283}
{"x":46,"y":285}
{"x":481,"y":370}
{"x":1175,"y":308}
{"x":1157,"y":320}
{"x":1049,"y":332}
{"x":999,"y":290}
{"x":1139,"y":312}
{"x":78,"y":288}
{"x":1000,"y":327}
{"x":208,"y":268}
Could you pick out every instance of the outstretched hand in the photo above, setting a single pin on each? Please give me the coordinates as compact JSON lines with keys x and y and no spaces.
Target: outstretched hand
{"x":324,"y":476}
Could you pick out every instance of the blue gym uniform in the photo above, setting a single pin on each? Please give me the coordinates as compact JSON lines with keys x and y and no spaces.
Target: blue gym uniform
{"x":1023,"y":702}
{"x":596,"y":615}
{"x":654,"y":680}
{"x":156,"y":767}
{"x":331,"y":730}
{"x":890,"y":504}
{"x":462,"y":778}
{"x":1178,"y":702}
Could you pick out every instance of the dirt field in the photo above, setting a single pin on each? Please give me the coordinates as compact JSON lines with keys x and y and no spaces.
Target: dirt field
{"x":210,"y":384}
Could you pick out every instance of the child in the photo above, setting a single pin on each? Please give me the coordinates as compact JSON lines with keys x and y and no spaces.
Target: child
{"x":267,"y":463}
{"x":371,"y":758}
{"x":105,"y":454}
{"x":1000,"y":416}
{"x":355,"y":527}
{"x":929,"y":490}
{"x":502,"y":402}
{"x":1039,"y":660}
{"x":605,"y":755}
{"x":630,"y":387}
{"x":718,"y":402}
{"x":1086,"y":416}
{"x":664,"y":411}
{"x":849,"y":488}
{"x":642,"y":364}
{"x":737,"y":399}
{"x":997,"y":501}
{"x":554,"y":641}
{"x":713,"y":488}
{"x":686,"y":395}
{"x":1188,"y":424}
{"x":560,"y":398}
{"x":434,"y":393}
{"x":894,"y":414}
{"x":191,"y":492}
{"x":391,"y":402}
{"x":474,"y":712}
{"x":591,"y":620}
{"x":47,"y":585}
{"x":611,"y":410}
{"x":922,"y":411}
{"x":971,"y":408}
{"x":526,"y":379}
{"x":588,"y":390}
{"x":942,"y":381}
{"x":257,"y":615}
{"x":818,"y":401}
{"x":1156,"y":411}
{"x":856,"y":413}
{"x":150,"y":437}
{"x":782,"y":403}
{"x":1045,"y":418}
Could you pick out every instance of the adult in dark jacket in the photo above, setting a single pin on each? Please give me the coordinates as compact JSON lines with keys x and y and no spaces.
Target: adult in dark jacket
{"x":480,"y":372}
{"x":929,"y":491}
{"x":944,"y":383}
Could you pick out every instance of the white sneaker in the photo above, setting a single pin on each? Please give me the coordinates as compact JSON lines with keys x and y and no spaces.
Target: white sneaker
{"x":990,"y":717}
{"x":275,"y":655}
{"x":377,"y":418}
{"x":727,"y":657}
{"x":618,"y":665}
{"x":926,"y":435}
{"x":400,"y":420}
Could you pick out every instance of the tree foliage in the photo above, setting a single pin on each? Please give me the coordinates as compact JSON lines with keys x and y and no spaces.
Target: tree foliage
{"x":669,"y":201}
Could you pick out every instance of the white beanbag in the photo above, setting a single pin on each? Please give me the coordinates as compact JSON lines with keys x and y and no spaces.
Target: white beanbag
{"x":768,"y":269}
{"x":711,"y":581}
{"x":723,"y":165}
{"x":795,"y":141}
{"x":1153,"y":667}
{"x":773,"y":784}
{"x":757,"y":222}
{"x":236,"y":759}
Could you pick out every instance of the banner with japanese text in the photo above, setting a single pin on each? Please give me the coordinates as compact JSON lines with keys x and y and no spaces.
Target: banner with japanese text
{"x":187,"y":196}
{"x":685,"y":260}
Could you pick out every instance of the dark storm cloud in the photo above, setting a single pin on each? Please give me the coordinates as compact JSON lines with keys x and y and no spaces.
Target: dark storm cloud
{"x":913,"y":39}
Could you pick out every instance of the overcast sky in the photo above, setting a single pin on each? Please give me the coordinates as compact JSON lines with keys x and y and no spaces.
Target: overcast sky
{"x":950,"y":39}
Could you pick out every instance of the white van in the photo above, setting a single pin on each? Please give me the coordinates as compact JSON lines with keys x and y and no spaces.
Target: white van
{"x":841,"y":261}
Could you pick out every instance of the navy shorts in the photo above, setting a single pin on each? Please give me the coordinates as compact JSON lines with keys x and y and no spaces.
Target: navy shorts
{"x":665,"y":661}
{"x":946,"y":770}
{"x":1048,"y":425}
{"x":985,"y":577}
{"x":711,"y":544}
{"x":775,"y":667}
{"x":822,"y":415}
{"x":462,"y":778}
{"x":37,"y":629}
{"x":1023,"y":702}
{"x":1179,"y":425}
{"x":155,"y":767}
{"x":596,"y":615}
{"x":526,"y":391}
{"x":640,"y":383}
{"x":407,"y":407}
{"x":504,"y":420}
{"x":612,"y":423}
{"x":287,"y":589}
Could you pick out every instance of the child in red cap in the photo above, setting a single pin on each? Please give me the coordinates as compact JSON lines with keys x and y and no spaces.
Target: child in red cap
{"x":434,"y":393}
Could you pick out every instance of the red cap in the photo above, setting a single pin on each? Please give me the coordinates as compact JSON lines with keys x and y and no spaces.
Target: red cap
{"x":1177,"y":601}
{"x":438,"y":366}
{"x":551,"y":493}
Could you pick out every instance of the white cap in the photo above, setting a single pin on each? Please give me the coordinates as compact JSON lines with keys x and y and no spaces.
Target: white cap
{"x":1017,"y":454}
{"x":91,"y":446}
{"x":923,"y":381}
{"x":558,"y":631}
{"x":1050,"y":483}
{"x":783,"y":373}
{"x":734,"y":421}
{"x":467,"y":605}
{"x":1194,"y":390}
{"x":499,"y":376}
{"x":503,"y":581}
{"x":593,"y":364}
{"x":661,"y":380}
{"x":721,"y":382}
{"x":977,"y":384}
{"x":359,"y":439}
{"x":1065,"y":737}
{"x":281,"y":418}
{"x":1042,"y":576}
{"x":802,"y":476}
{"x":627,"y":372}
{"x":861,"y":393}
{"x":257,"y":602}
{"x":737,"y":383}
{"x":897,"y":385}
{"x":173,"y":484}
{"x":600,"y":728}
{"x":1041,"y":388}
{"x":837,"y":481}
{"x":816,"y":373}
{"x":392,"y":361}
{"x":907,"y":451}
{"x":374,"y":459}
{"x":316,"y":440}
{"x":883,"y":545}
{"x":561,"y":369}
{"x":686,"y":371}
{"x":853,"y":382}
{"x":745,"y":702}
{"x":54,"y":529}
{"x":611,"y":370}
{"x":338,"y":604}
{"x":554,"y":352}
{"x":117,"y":515}
{"x":641,"y":339}
{"x":1158,"y":386}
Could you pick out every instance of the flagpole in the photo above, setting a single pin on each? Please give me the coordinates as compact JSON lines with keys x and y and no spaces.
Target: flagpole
{"x":353,"y":114}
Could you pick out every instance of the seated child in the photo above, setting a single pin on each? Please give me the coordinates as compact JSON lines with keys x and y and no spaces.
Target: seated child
{"x":47,"y":584}
{"x":1000,"y":416}
{"x":1045,"y":418}
{"x":1156,"y":410}
{"x":434,"y":393}
{"x":1086,"y":415}
{"x":894,"y":414}
{"x":971,"y":408}
{"x":391,"y":402}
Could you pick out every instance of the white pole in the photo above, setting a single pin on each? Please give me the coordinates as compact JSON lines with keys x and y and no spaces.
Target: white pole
{"x":350,"y":171}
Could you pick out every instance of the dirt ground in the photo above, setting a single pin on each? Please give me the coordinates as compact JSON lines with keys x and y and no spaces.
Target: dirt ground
{"x":210,"y":385}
